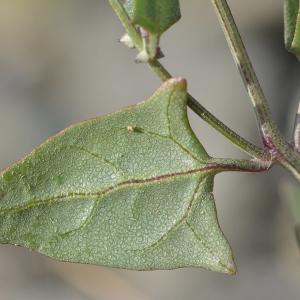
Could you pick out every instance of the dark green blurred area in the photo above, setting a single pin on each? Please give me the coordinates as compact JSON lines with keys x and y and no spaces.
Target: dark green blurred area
{"x":60,"y":63}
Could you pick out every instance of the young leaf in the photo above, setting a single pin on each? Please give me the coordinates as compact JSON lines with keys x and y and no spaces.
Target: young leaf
{"x":154,"y":17}
{"x":131,"y":190}
{"x":292,"y":26}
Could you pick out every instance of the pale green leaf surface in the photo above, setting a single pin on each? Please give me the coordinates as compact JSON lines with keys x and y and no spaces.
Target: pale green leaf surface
{"x":292,"y":26}
{"x":155,"y":16}
{"x":132,"y":190}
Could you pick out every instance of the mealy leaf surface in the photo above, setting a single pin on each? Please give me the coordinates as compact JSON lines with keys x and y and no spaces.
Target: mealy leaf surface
{"x":292,"y":26}
{"x":130,"y":190}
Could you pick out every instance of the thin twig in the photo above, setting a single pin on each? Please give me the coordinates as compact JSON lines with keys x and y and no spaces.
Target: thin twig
{"x":281,"y":151}
{"x":244,"y":65}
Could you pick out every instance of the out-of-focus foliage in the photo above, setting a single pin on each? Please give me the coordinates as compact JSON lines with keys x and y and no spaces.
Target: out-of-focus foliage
{"x":292,"y":26}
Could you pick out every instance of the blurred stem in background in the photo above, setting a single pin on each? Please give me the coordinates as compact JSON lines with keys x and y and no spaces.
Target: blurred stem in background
{"x":296,"y":134}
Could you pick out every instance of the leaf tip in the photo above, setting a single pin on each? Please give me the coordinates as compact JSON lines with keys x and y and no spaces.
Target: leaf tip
{"x":179,"y":81}
{"x":232,"y":270}
{"x":229,"y":268}
{"x":230,"y":265}
{"x":176,"y":82}
{"x":226,"y":264}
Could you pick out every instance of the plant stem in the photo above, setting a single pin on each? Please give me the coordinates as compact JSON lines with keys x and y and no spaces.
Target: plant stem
{"x":281,"y":151}
{"x":129,"y":27}
{"x":199,"y":109}
{"x":244,"y":65}
{"x":297,"y":130}
{"x":236,"y":139}
{"x":241,"y":165}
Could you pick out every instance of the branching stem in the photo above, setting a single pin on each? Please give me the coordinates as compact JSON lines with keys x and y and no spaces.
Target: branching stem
{"x":209,"y":118}
{"x":282,"y":152}
{"x":198,"y":108}
{"x":277,"y":150}
{"x":244,"y":65}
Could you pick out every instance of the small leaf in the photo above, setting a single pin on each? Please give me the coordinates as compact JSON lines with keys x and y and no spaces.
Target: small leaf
{"x":292,"y":26}
{"x":131,"y":190}
{"x":154,"y":17}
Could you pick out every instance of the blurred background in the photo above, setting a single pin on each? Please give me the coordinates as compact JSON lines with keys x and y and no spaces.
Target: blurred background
{"x":60,"y":62}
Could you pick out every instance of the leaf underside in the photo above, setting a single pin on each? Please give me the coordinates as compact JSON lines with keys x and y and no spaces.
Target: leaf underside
{"x":292,"y":26}
{"x":130,"y":190}
{"x":155,"y":16}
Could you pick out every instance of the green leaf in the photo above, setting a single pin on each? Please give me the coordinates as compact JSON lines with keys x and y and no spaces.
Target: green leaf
{"x":154,"y":17}
{"x":131,"y":190}
{"x":292,"y":26}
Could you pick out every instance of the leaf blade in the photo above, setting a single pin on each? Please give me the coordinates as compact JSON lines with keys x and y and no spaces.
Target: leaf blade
{"x":121,"y":191}
{"x":292,"y":26}
{"x":155,"y":16}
